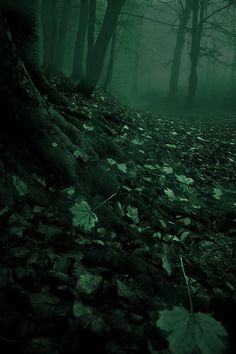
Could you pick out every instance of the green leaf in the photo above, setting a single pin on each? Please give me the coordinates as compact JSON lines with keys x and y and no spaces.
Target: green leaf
{"x":184,"y":235}
{"x":80,"y":310}
{"x":192,"y":332}
{"x":123,"y":290}
{"x":88,"y":127}
{"x":83,"y":215}
{"x":83,"y":155}
{"x":171,"y":146}
{"x":132,"y":213}
{"x":20,"y":186}
{"x":137,"y":142}
{"x":217,"y":193}
{"x":122,"y":167}
{"x":170,"y":194}
{"x":168,"y":170}
{"x":111,"y":162}
{"x":88,"y":283}
{"x":69,"y":191}
{"x":185,"y":180}
{"x":187,"y":221}
{"x":149,"y":167}
{"x":166,"y":265}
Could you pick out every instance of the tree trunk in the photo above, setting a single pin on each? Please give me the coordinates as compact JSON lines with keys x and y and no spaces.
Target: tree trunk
{"x":180,"y":40}
{"x":78,"y":72}
{"x":28,"y":116}
{"x":91,"y":31}
{"x":198,"y":9}
{"x":108,"y":81}
{"x":50,"y":29}
{"x":62,"y":35}
{"x":233,"y":70}
{"x":23,"y":19}
{"x":93,"y":71}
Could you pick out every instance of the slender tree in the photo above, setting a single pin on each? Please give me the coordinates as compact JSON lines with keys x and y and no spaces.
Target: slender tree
{"x":50,"y":30}
{"x":199,"y":18}
{"x":78,"y":72}
{"x":61,"y":45}
{"x":108,"y":27}
{"x":233,"y":68}
{"x":96,"y":49}
{"x":198,"y":8}
{"x":108,"y":81}
{"x":91,"y":31}
{"x":179,"y":45}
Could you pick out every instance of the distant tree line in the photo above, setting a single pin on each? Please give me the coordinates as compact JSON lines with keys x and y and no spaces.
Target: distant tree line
{"x":99,"y":27}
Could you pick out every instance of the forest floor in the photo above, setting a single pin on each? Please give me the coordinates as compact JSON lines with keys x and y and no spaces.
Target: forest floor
{"x":79,"y":275}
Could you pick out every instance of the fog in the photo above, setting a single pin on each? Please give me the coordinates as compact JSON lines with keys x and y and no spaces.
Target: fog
{"x":138,"y":61}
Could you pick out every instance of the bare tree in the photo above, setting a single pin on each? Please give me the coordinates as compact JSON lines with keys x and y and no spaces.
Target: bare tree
{"x":50,"y":31}
{"x":179,"y":45}
{"x":96,"y":50}
{"x":62,"y":34}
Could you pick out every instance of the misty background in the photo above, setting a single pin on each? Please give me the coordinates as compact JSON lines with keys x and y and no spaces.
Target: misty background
{"x":139,"y":59}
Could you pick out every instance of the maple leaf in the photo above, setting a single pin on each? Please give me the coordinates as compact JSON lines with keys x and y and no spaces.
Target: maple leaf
{"x":192,"y":332}
{"x":83,"y":215}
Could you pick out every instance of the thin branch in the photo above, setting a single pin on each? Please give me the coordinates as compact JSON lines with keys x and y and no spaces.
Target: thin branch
{"x":148,"y":19}
{"x":215,"y":12}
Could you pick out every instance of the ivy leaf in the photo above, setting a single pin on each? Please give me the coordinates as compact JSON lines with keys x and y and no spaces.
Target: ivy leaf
{"x":83,"y":215}
{"x":192,"y":332}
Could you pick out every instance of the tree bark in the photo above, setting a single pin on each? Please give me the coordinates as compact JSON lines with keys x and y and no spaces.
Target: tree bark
{"x":23,"y":19}
{"x":93,"y":71}
{"x":108,"y":80}
{"x":78,"y":72}
{"x":50,"y":29}
{"x":180,"y":40}
{"x":233,"y":70}
{"x":28,"y":116}
{"x":91,"y":31}
{"x":62,"y":35}
{"x":198,"y":8}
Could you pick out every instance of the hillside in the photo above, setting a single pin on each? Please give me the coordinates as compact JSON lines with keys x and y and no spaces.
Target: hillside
{"x":89,"y":267}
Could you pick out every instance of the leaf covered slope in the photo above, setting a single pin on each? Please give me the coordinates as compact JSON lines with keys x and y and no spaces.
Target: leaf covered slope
{"x":81,"y":271}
